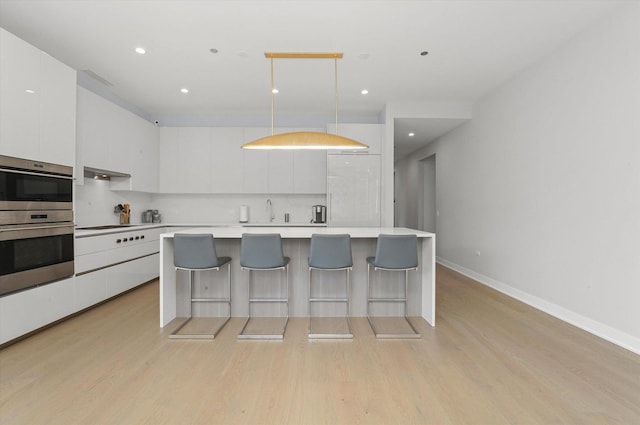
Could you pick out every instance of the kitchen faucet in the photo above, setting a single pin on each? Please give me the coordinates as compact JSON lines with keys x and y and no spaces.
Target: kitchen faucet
{"x":270,"y":211}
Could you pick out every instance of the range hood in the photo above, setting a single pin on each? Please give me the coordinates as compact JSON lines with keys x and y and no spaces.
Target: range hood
{"x":99,"y":174}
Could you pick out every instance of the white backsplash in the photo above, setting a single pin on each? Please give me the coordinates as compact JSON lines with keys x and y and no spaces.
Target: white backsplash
{"x":225,"y":209}
{"x":94,"y":203}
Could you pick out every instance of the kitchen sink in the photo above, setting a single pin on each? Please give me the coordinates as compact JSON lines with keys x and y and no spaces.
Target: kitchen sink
{"x":109,"y":226}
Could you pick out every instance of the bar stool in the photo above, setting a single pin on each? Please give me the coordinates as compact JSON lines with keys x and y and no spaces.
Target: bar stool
{"x":197,"y":252}
{"x":393,"y":253}
{"x":263,"y":251}
{"x":330,"y":252}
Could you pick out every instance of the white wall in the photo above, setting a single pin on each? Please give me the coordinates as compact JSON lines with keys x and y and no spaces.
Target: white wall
{"x":545,"y":183}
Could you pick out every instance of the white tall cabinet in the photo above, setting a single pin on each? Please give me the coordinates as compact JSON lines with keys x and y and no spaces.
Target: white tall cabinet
{"x":354,"y":179}
{"x":353,"y":190}
{"x":37,"y":103}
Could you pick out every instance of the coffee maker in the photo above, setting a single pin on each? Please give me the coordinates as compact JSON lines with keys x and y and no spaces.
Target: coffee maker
{"x":318,"y":214}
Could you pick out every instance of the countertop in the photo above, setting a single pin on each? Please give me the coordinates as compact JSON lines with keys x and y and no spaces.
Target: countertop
{"x":82,"y":231}
{"x":235,"y":232}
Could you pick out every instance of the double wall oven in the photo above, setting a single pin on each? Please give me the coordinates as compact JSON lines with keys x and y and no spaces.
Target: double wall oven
{"x":36,"y":223}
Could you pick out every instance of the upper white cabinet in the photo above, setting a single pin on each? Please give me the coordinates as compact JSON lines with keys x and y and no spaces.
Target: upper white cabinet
{"x":200,"y":160}
{"x":226,"y":159}
{"x":369,"y":134}
{"x":114,"y":139}
{"x":283,"y":171}
{"x":37,"y":104}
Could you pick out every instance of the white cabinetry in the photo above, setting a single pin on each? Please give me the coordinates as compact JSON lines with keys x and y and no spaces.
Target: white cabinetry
{"x":282,"y":171}
{"x":112,"y":138}
{"x":309,"y":171}
{"x":353,"y":190}
{"x":37,"y":104}
{"x":369,"y":134}
{"x":200,"y":160}
{"x":226,"y":160}
{"x":26,"y":311}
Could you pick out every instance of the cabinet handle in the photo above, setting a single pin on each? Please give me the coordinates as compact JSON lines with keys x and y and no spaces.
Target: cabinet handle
{"x":124,"y":239}
{"x":118,"y":240}
{"x":137,"y":237}
{"x":142,"y":237}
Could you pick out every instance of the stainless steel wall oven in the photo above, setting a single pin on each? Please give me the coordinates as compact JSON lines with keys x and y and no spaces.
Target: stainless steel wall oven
{"x":36,"y":223}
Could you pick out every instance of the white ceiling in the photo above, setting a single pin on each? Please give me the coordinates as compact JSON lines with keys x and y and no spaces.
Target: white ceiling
{"x":473,"y":47}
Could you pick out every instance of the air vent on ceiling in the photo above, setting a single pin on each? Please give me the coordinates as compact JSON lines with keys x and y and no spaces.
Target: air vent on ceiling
{"x":96,"y":77}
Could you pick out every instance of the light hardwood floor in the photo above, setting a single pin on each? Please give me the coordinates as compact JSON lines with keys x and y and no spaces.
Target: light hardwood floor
{"x":490,"y":360}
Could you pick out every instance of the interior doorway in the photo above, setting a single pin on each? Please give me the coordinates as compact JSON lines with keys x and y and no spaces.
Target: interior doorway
{"x":427,"y":207}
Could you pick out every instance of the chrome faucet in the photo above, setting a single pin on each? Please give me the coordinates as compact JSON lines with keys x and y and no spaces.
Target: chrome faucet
{"x":270,"y":211}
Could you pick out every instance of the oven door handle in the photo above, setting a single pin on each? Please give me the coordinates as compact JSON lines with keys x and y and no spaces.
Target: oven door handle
{"x":31,"y":173}
{"x":35,"y":231}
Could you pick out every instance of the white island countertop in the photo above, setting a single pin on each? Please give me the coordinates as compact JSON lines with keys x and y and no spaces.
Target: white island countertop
{"x":290,"y":232}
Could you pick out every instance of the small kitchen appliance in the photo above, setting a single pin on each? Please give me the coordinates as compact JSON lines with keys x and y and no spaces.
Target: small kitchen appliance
{"x":147,"y":216}
{"x":319,"y":214}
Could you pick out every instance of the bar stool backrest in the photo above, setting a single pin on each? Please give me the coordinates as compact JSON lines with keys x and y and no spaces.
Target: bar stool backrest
{"x":396,"y":252}
{"x":261,"y":251}
{"x":194,"y":251}
{"x":330,"y":251}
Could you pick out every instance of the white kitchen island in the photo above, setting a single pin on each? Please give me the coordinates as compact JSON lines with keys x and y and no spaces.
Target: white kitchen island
{"x":174,"y":292}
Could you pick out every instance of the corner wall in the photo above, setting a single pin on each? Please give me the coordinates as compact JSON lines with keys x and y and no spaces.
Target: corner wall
{"x":545,"y":183}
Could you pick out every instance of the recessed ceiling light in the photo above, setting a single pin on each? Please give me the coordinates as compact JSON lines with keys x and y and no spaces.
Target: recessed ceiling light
{"x":140,"y":50}
{"x":212,"y":50}
{"x":274,"y":90}
{"x":185,"y":90}
{"x":30,"y":91}
{"x":364,"y":91}
{"x":412,"y":134}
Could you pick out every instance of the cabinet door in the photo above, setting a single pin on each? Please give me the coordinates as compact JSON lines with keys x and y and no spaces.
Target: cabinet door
{"x":194,"y":159}
{"x":281,"y":171}
{"x":97,"y":117}
{"x":353,"y":190}
{"x":168,"y":163}
{"x":57,"y":112}
{"x":144,"y":172}
{"x":226,"y":160}
{"x":309,"y":171}
{"x":19,"y":97}
{"x":255,"y":163}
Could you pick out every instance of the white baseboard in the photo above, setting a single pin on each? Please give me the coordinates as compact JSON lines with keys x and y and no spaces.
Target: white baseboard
{"x":601,"y":330}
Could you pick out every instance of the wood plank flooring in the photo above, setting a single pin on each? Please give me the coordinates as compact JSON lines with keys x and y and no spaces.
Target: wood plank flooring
{"x":490,"y":360}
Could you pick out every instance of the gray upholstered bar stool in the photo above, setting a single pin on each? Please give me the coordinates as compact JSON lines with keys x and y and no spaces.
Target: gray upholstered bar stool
{"x":261,"y":252}
{"x":330,"y":252}
{"x":393,"y":253}
{"x":197,"y":252}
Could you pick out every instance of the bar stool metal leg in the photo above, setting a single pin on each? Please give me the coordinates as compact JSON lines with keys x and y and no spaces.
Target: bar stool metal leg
{"x":337,"y":335}
{"x":391,"y":335}
{"x":227,"y":300}
{"x":254,"y":300}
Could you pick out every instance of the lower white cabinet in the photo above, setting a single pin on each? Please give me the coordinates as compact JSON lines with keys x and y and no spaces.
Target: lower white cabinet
{"x":124,"y":276}
{"x":26,"y":311}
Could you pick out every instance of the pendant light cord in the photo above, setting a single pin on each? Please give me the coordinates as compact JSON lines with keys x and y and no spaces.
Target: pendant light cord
{"x":335,"y":73}
{"x":273,"y":96}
